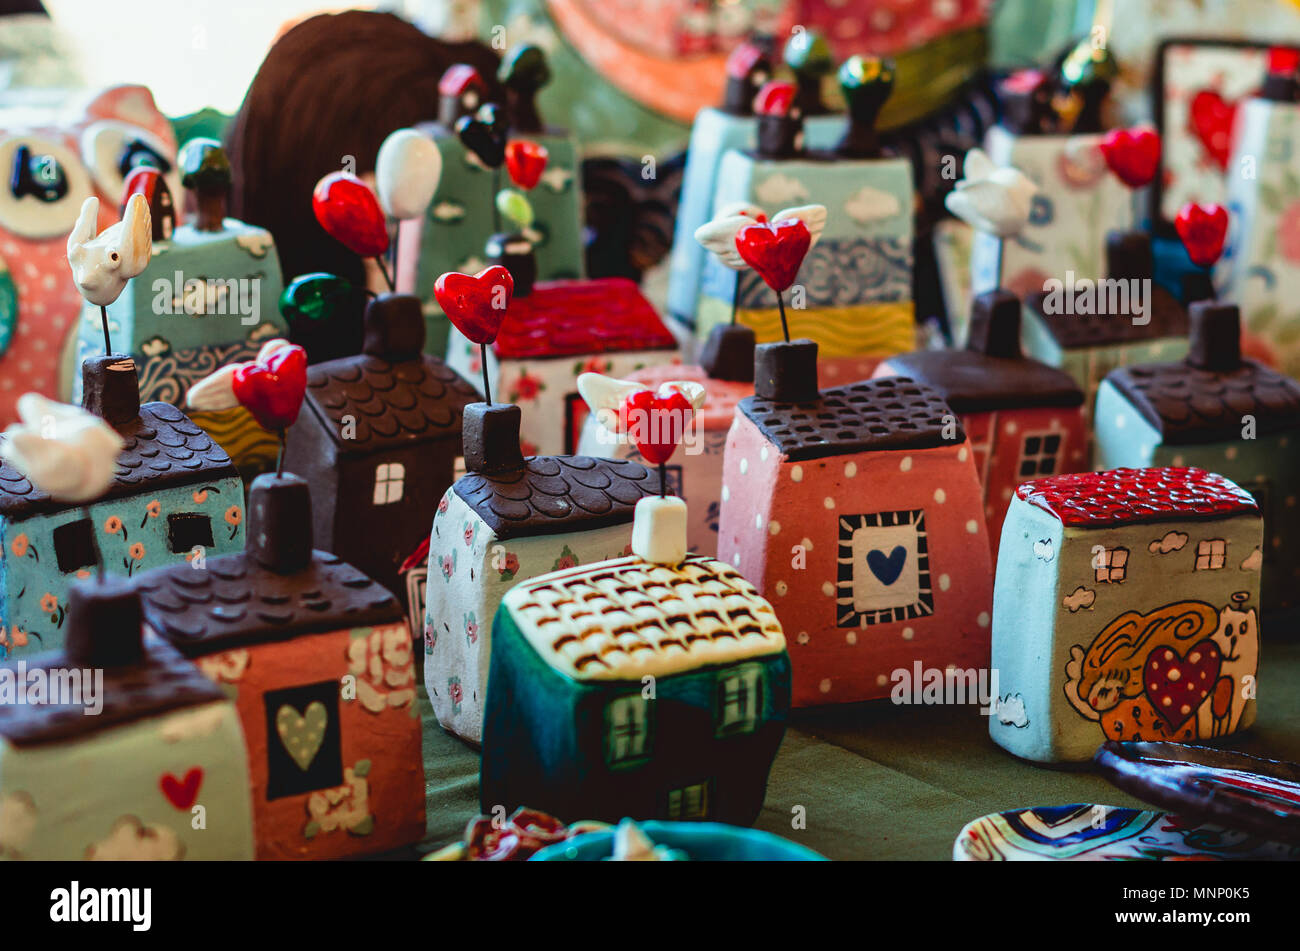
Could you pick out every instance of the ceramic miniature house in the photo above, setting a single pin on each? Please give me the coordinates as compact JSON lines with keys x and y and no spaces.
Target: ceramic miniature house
{"x":509,"y":519}
{"x":1260,"y":272}
{"x":318,"y":659}
{"x":1089,"y":329}
{"x":577,"y":656}
{"x":208,"y":296}
{"x":856,"y":280}
{"x":1219,"y":412}
{"x":1078,"y":203}
{"x":857,"y":510}
{"x":453,"y":233}
{"x":1125,"y":608}
{"x":175,"y":492}
{"x":1024,"y":419}
{"x":125,"y":773}
{"x":562,"y":329}
{"x":696,"y":476}
{"x":715,"y":132}
{"x":378,"y":438}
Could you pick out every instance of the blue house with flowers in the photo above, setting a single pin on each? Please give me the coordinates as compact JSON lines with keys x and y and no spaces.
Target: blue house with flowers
{"x":175,"y":497}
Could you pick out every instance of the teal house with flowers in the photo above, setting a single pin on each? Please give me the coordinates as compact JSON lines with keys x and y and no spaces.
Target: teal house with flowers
{"x":175,"y":497}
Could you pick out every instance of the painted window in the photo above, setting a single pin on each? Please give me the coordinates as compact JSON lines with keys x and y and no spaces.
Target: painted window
{"x":187,"y":531}
{"x":884,"y":569}
{"x":739,"y":700}
{"x":1039,"y":454}
{"x":74,"y":545}
{"x":304,"y":751}
{"x":1111,"y":565}
{"x":627,"y":730}
{"x":389,"y":477}
{"x":689,"y":802}
{"x":1211,"y":554}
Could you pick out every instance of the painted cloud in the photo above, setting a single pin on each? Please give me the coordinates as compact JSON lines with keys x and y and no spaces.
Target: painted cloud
{"x":1082,"y":598}
{"x":1044,"y":550}
{"x":780,"y":190}
{"x":129,"y":839}
{"x":1254,"y":561}
{"x":869,"y":204}
{"x":1011,"y":711}
{"x":1173,"y":541}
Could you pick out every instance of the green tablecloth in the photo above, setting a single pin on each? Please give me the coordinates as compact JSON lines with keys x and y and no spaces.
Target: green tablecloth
{"x":878,"y":781}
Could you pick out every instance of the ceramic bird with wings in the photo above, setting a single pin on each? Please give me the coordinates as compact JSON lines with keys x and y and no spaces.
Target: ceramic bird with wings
{"x":102,"y":264}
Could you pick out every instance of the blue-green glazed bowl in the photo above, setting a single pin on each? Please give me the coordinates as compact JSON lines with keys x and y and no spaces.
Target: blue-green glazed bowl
{"x":701,"y":841}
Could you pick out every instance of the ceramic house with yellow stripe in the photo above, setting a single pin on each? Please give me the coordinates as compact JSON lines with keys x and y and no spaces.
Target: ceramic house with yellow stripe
{"x":652,"y":686}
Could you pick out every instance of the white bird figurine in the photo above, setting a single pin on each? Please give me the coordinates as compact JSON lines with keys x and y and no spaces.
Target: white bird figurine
{"x":606,"y":395}
{"x":993,"y":199}
{"x":101,"y":265}
{"x":64,"y":451}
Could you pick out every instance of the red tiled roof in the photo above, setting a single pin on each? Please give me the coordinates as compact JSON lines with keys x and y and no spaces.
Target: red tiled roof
{"x":1124,"y":496}
{"x":575,"y":318}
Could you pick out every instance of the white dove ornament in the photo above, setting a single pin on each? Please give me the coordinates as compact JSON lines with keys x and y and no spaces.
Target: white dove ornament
{"x":101,"y":265}
{"x":993,"y":199}
{"x":66,"y":452}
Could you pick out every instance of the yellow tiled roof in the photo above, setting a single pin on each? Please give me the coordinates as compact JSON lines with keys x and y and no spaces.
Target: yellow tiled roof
{"x":626,"y":619}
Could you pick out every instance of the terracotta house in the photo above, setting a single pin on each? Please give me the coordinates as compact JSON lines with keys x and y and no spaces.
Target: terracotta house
{"x":1024,"y":418}
{"x":858,"y":511}
{"x":1221,"y":412}
{"x":151,"y":775}
{"x":318,"y":659}
{"x":175,"y":491}
{"x":509,"y":519}
{"x":378,"y":439}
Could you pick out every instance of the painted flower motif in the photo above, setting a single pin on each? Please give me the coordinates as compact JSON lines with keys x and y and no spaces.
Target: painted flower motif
{"x":137,"y":551}
{"x":152,"y":510}
{"x":457,"y":694}
{"x":526,"y":388}
{"x":448,"y":566}
{"x":443,"y":504}
{"x":381,"y":661}
{"x":1288,"y":232}
{"x":200,"y":496}
{"x":567,"y":559}
{"x":1081,"y":164}
{"x":19,"y":637}
{"x":19,"y":545}
{"x":594,"y":365}
{"x":233,"y":518}
{"x":343,"y":807}
{"x":470,"y":529}
{"x":430,"y":638}
{"x":471,"y":628}
{"x":113,"y":525}
{"x":49,"y":603}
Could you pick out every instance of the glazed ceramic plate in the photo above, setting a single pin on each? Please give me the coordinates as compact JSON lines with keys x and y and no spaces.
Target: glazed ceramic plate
{"x":1258,"y":796}
{"x":1094,"y":833}
{"x":701,"y":841}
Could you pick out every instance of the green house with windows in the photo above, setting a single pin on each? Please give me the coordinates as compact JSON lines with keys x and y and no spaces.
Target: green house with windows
{"x":175,"y":494}
{"x":627,"y":688}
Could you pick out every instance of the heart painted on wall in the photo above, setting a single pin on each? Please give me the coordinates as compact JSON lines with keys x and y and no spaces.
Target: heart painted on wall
{"x":302,"y":734}
{"x":182,"y":793}
{"x":887,"y":568}
{"x":1176,"y":685}
{"x":775,"y":250}
{"x":1211,"y":117}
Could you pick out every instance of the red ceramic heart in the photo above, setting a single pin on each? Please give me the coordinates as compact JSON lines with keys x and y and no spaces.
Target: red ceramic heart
{"x":775,"y":98}
{"x":1133,"y":155}
{"x":1211,"y":117}
{"x":348,"y":210}
{"x":525,"y":161}
{"x":655,"y":424}
{"x":272,"y":386}
{"x":182,"y":793}
{"x":775,"y":250}
{"x":476,"y":304}
{"x":1203,"y":229}
{"x":1175,"y":685}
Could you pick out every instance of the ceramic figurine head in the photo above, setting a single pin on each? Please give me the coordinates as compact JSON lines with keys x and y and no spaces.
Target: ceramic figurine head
{"x":461,"y":91}
{"x":1026,"y":97}
{"x":524,"y":71}
{"x":102,"y":264}
{"x":809,"y":58}
{"x":748,"y":68}
{"x":866,"y":82}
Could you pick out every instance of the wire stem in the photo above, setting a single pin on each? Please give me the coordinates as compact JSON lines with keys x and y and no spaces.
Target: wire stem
{"x":785,"y":328}
{"x":103,"y":319}
{"x":482,"y":359}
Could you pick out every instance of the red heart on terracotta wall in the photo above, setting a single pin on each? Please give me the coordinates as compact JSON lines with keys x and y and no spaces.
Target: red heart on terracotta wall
{"x":477,"y":303}
{"x":272,"y":386}
{"x":775,"y":250}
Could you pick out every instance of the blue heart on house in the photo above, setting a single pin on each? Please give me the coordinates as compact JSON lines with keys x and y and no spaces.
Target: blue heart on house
{"x":887,"y":567}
